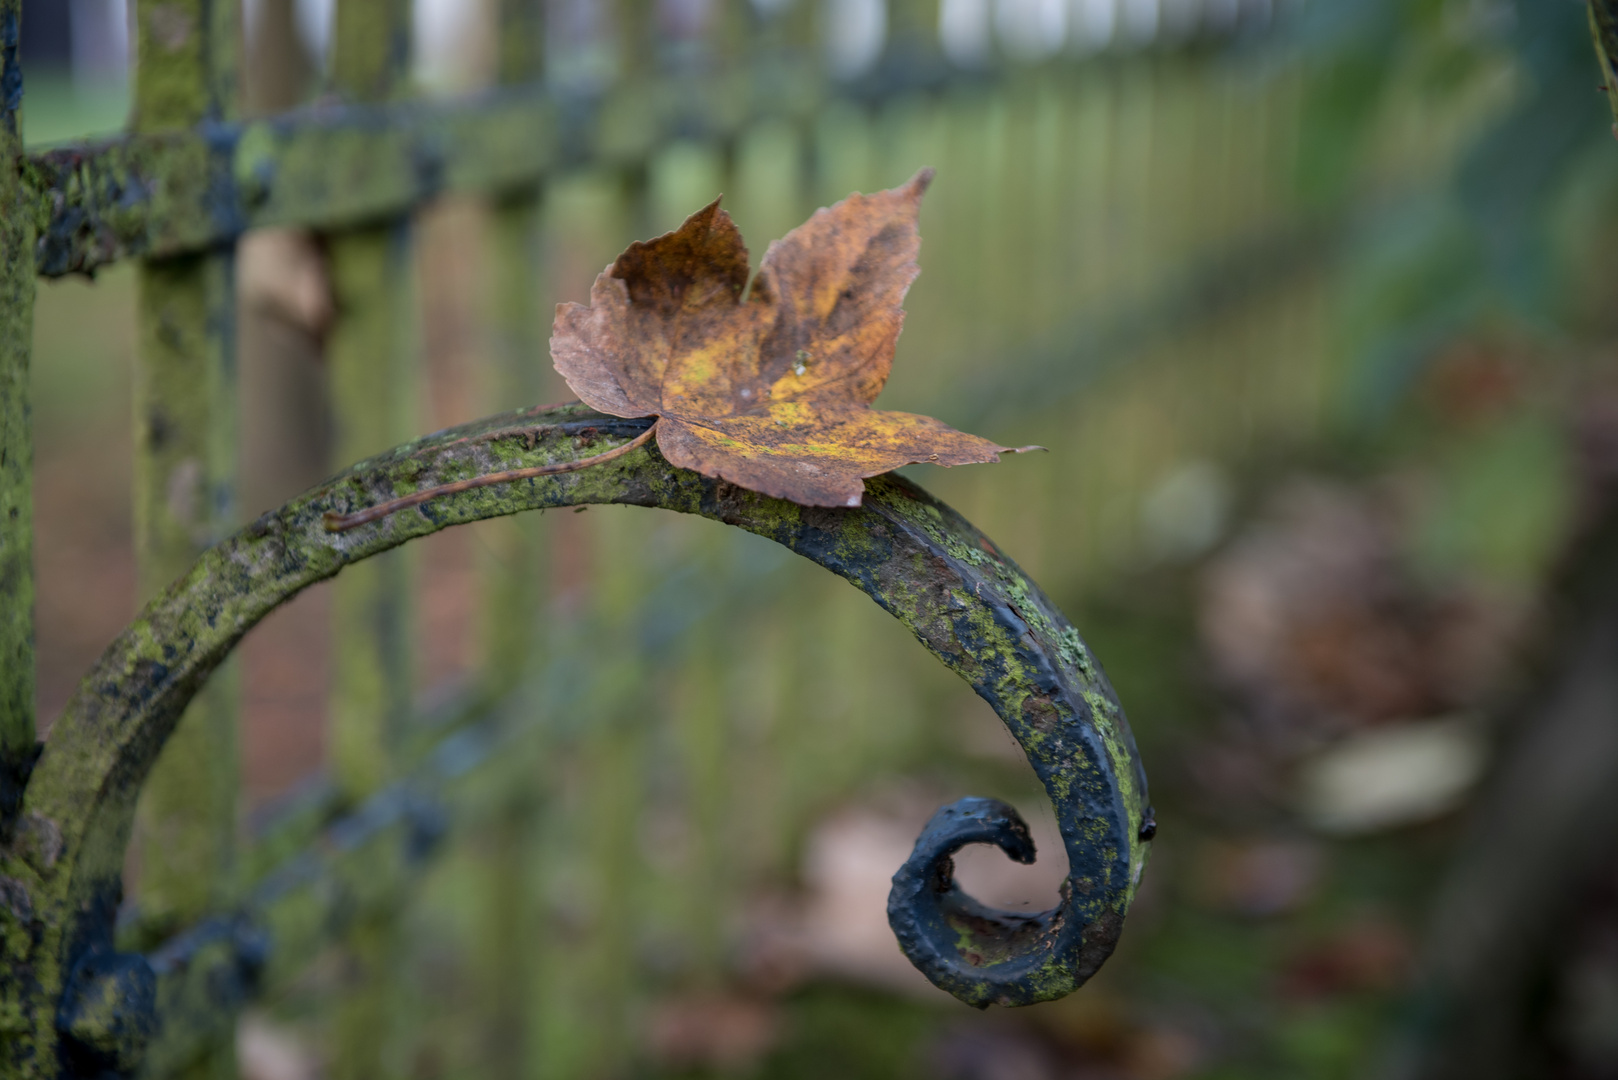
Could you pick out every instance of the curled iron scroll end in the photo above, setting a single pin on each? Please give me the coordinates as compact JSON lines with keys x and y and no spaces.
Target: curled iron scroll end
{"x":981,"y":955}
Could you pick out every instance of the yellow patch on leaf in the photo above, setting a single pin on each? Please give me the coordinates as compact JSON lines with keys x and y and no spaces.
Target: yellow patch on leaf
{"x":772,"y":392}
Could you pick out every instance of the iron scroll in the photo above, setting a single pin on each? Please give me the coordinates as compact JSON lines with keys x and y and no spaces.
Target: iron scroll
{"x":923,"y":563}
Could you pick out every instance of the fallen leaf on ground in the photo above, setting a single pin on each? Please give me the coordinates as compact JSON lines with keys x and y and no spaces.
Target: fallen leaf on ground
{"x":768,"y":388}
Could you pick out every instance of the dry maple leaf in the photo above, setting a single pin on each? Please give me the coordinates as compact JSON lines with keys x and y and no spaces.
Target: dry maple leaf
{"x":771,"y":388}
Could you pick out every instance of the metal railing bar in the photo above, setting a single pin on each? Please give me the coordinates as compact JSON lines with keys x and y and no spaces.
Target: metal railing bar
{"x":513,"y":576}
{"x":17,"y":284}
{"x":372,"y":366}
{"x":332,"y":166}
{"x":185,"y":459}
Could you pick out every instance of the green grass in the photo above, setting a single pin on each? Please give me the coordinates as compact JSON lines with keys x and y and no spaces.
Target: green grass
{"x":55,"y":110}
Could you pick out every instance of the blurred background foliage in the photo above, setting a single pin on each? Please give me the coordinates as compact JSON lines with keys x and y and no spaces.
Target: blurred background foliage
{"x":1311,"y":301}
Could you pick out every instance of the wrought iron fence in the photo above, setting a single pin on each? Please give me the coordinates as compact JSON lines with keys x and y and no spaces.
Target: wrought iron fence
{"x":1058,"y":163}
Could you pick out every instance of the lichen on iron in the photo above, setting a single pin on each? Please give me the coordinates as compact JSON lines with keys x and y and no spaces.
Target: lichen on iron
{"x":911,"y":554}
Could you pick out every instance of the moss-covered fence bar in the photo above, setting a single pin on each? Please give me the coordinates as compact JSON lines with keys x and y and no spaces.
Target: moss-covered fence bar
{"x":185,"y":470}
{"x":374,"y":400}
{"x":88,"y":1007}
{"x":17,"y":283}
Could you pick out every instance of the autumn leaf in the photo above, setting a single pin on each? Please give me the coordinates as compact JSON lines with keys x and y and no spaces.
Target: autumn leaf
{"x":768,"y":388}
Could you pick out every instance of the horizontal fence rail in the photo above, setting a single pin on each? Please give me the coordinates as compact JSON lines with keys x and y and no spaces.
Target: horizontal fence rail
{"x":334,"y":165}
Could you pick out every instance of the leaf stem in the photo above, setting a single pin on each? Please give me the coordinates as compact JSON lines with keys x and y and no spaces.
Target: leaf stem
{"x":336,"y":522}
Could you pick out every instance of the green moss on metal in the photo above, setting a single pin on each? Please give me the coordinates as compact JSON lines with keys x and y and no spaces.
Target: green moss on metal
{"x":511,"y":568}
{"x":1016,"y":682}
{"x":370,"y":357}
{"x":913,"y":560}
{"x":185,"y":466}
{"x":18,"y":892}
{"x":172,"y":188}
{"x":184,"y":484}
{"x":186,"y":62}
{"x":16,"y":441}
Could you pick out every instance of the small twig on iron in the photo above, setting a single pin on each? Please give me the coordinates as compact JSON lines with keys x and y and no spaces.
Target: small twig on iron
{"x":336,"y":522}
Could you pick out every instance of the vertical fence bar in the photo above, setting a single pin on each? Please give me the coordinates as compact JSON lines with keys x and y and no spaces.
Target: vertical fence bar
{"x":373,"y":378}
{"x":185,"y":462}
{"x":583,"y":990}
{"x":373,"y":401}
{"x":513,"y":568}
{"x":23,"y":1038}
{"x":185,"y":476}
{"x":517,"y":372}
{"x":16,"y":438}
{"x":613,"y":756}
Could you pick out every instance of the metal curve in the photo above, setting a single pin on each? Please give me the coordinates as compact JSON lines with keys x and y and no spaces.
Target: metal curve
{"x":981,"y":955}
{"x":969,"y":604}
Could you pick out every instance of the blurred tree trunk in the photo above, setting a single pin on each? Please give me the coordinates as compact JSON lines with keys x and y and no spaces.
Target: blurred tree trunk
{"x":1542,"y":835}
{"x":1542,"y":843}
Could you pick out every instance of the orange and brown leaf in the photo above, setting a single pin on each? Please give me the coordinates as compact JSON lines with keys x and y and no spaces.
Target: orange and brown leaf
{"x":770,"y":388}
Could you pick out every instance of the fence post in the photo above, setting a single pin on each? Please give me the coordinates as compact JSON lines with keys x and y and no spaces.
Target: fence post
{"x":185,"y":474}
{"x":16,"y":438}
{"x":370,"y":358}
